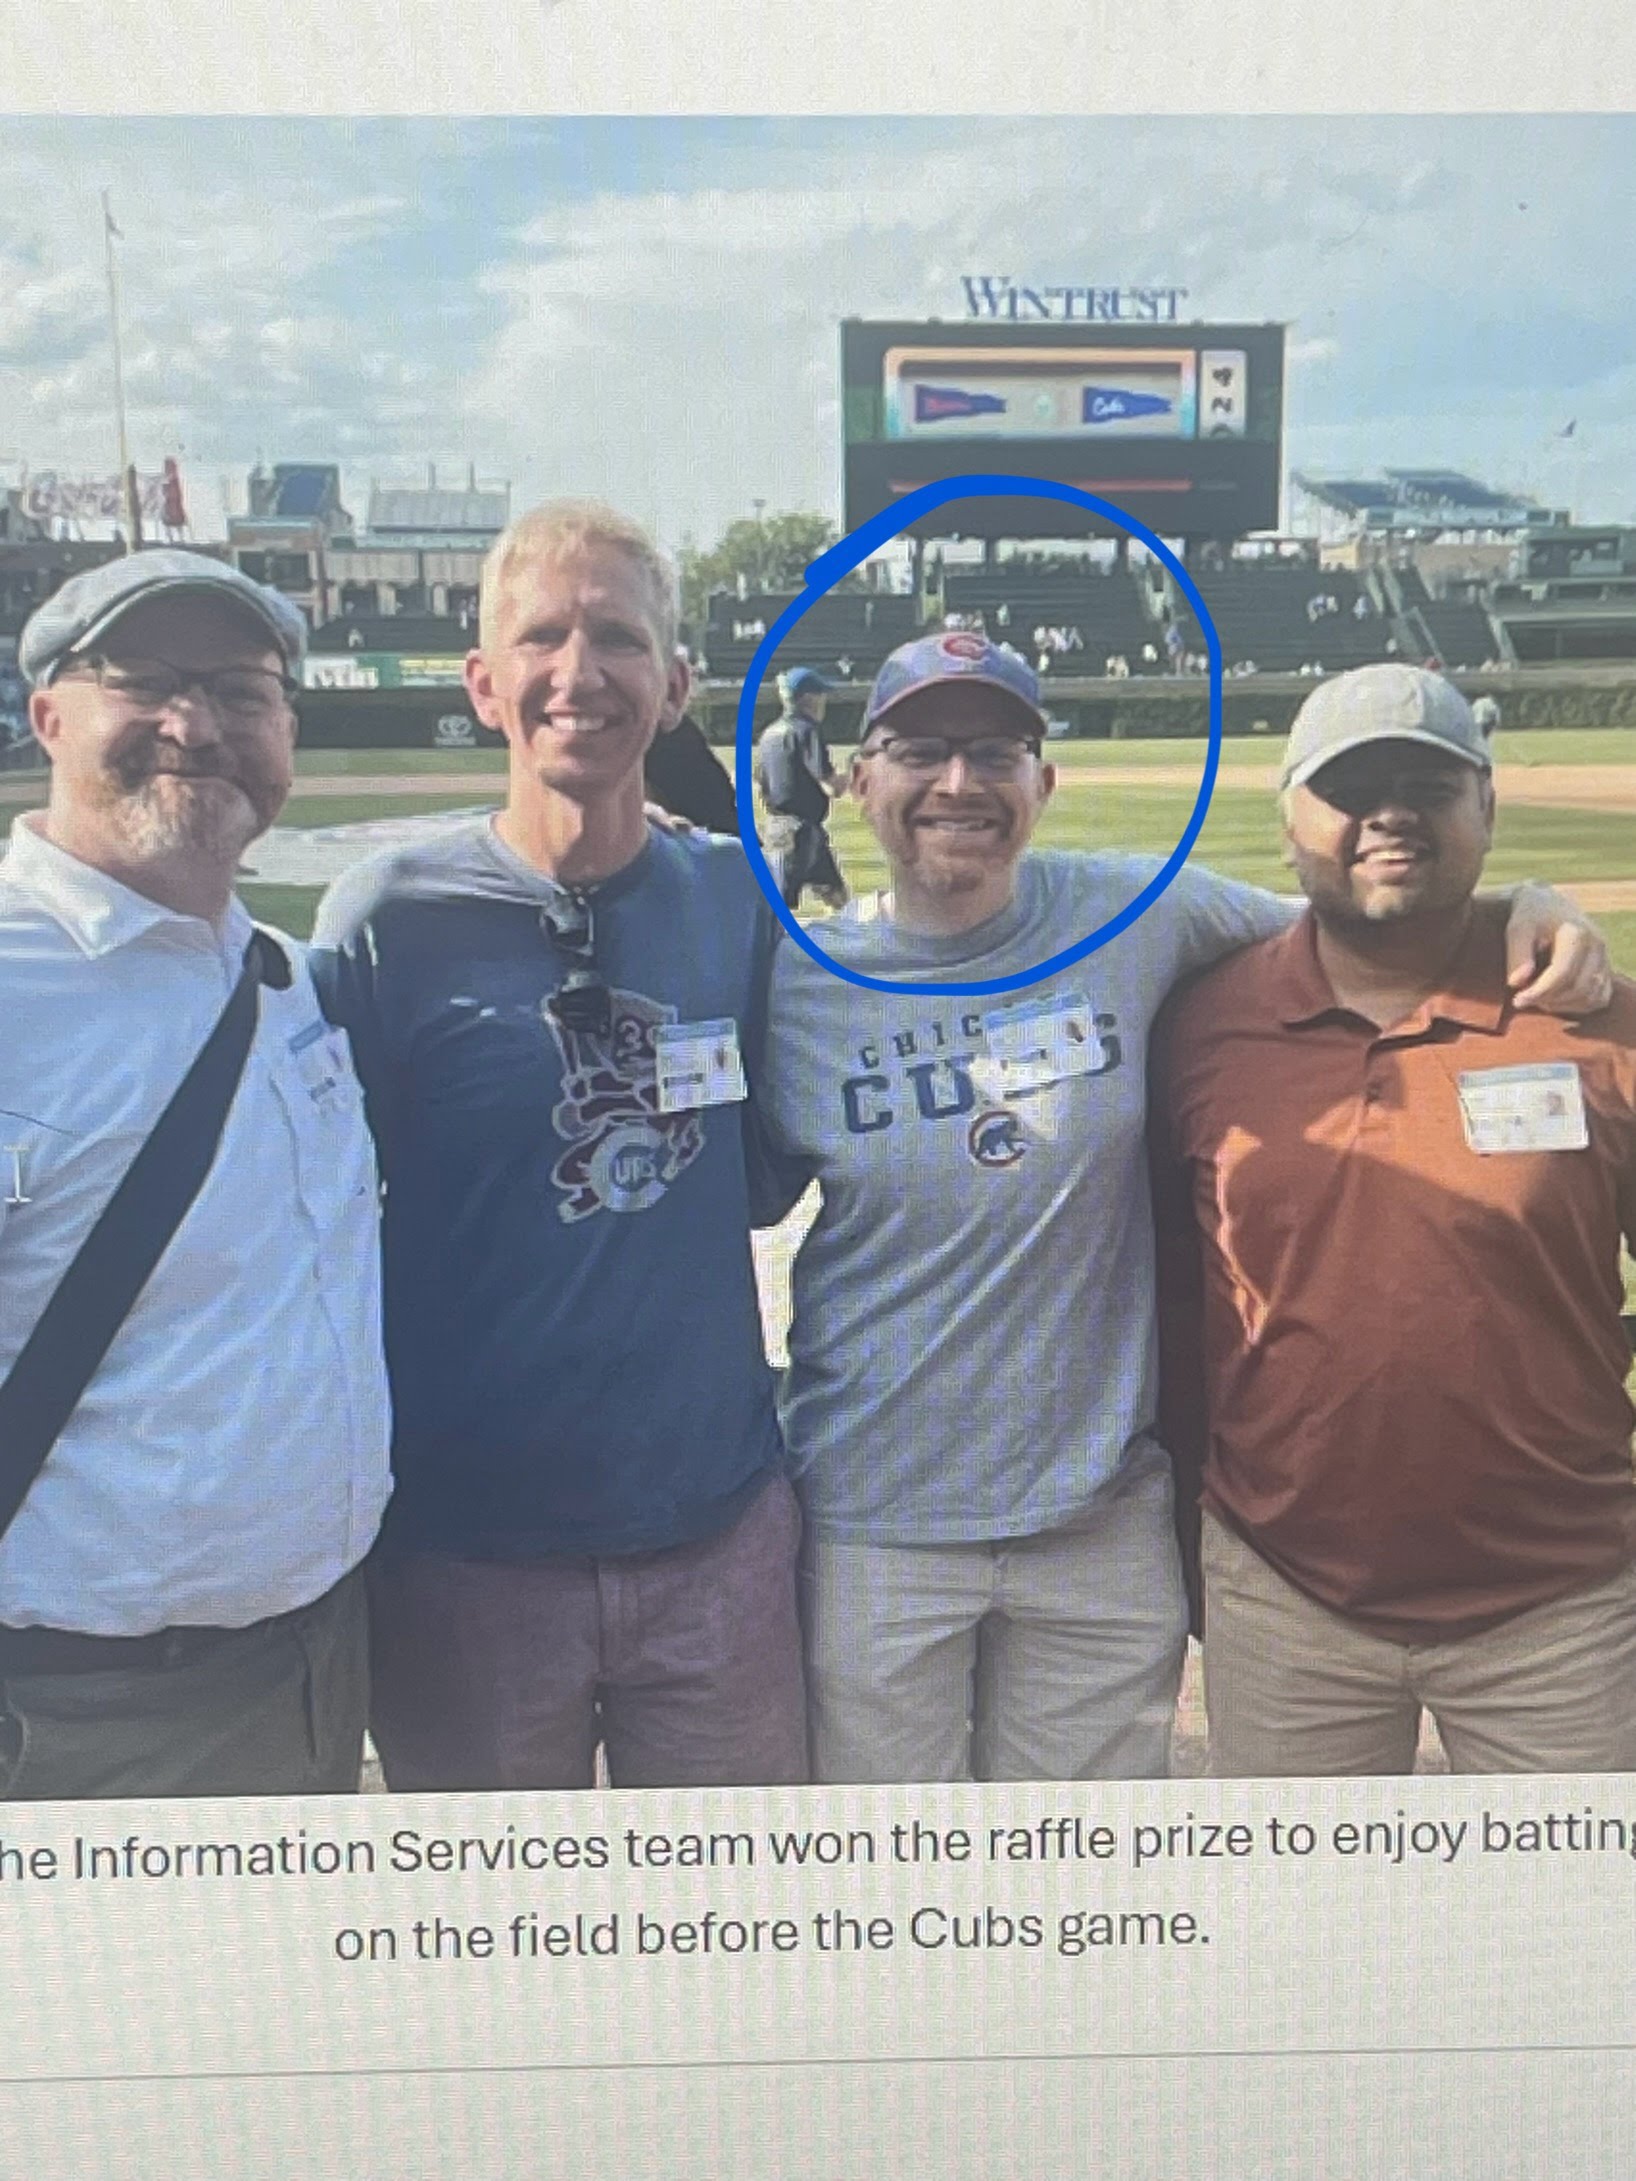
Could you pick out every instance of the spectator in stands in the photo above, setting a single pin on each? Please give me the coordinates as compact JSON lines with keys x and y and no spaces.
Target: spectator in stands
{"x":1175,"y":645}
{"x":1487,"y":715}
{"x":1150,"y":656}
{"x":1390,"y":1208}
{"x":1361,"y":608}
{"x":592,"y":1540}
{"x":796,"y":781}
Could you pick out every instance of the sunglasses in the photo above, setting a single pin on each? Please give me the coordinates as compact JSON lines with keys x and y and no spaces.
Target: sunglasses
{"x":582,"y":1002}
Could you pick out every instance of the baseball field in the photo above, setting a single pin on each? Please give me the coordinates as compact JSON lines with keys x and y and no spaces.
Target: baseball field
{"x":1567,"y":802}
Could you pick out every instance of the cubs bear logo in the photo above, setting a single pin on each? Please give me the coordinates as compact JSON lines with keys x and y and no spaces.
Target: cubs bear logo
{"x":622,"y":1152}
{"x":963,"y":645}
{"x":996,"y":1138}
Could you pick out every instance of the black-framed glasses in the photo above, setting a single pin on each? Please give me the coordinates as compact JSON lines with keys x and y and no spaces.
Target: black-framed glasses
{"x":582,"y":1002}
{"x":995,"y":757}
{"x":242,"y":692}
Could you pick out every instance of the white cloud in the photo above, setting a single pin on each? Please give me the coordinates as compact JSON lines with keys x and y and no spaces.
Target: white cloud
{"x":677,"y":347}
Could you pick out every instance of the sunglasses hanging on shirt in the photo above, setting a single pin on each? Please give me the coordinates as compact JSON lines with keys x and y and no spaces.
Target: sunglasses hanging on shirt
{"x":582,"y":1002}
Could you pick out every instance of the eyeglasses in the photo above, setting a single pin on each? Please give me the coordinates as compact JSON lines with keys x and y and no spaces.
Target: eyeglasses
{"x":582,"y":1002}
{"x":995,"y":757}
{"x":153,"y":685}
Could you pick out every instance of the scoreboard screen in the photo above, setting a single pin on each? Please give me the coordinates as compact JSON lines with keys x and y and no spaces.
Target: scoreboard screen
{"x":1184,"y":432}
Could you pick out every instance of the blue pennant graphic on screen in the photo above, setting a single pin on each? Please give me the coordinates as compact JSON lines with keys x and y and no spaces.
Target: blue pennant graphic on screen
{"x":1111,"y":404}
{"x":933,"y":403}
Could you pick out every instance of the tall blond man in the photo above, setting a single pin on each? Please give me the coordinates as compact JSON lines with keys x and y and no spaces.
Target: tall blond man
{"x":554,"y":1012}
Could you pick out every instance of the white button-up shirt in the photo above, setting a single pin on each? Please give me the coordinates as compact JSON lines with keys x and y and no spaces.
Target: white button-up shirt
{"x":229,"y":1459}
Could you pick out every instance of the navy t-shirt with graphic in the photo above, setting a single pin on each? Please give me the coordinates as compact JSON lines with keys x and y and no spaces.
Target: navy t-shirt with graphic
{"x":572,"y":1324}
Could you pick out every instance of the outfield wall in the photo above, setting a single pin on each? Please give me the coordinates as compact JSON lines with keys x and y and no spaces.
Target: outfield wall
{"x":365,"y":719}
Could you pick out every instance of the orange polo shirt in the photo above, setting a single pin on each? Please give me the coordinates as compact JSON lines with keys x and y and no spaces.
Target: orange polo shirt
{"x":1400,"y":1359}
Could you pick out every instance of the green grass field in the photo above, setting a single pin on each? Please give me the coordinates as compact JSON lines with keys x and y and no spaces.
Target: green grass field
{"x":1240,"y":834}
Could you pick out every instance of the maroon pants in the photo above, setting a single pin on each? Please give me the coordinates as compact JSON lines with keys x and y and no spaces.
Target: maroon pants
{"x":685,"y":1665}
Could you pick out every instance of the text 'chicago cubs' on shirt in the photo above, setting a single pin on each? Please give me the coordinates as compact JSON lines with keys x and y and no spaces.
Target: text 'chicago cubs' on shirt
{"x":572,"y":1326}
{"x":972,"y":1352}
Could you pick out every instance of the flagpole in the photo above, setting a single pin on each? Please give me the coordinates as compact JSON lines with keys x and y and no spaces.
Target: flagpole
{"x":127,"y":486}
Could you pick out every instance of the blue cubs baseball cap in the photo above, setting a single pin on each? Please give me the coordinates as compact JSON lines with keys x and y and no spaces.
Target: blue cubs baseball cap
{"x":954,"y":655}
{"x":88,"y":605}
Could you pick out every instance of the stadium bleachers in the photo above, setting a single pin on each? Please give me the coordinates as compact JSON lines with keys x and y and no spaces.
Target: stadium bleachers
{"x":1270,"y":616}
{"x":1460,"y":633}
{"x":1105,"y":609}
{"x":408,"y":632}
{"x":845,"y":633}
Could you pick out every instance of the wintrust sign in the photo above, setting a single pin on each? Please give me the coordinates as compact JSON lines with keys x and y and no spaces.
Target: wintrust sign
{"x":997,"y":295}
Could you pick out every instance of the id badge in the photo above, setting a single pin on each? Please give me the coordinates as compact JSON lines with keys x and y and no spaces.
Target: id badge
{"x":320,"y":1056}
{"x":698,"y":1064}
{"x":1541,"y":1108}
{"x":1039,"y":1042}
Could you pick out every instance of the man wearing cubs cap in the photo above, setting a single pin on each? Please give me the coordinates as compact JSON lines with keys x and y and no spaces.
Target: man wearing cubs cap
{"x":1390,"y":1205}
{"x":193,"y":1432}
{"x":796,"y":780}
{"x":992,"y":1585}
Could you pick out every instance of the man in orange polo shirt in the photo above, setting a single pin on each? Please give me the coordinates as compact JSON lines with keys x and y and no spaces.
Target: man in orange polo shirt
{"x":1390,"y":1210}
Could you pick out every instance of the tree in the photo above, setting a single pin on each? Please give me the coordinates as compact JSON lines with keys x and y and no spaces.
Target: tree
{"x":771,"y":553}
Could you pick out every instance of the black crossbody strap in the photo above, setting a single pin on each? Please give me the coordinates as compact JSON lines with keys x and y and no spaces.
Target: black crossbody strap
{"x":95,"y":1295}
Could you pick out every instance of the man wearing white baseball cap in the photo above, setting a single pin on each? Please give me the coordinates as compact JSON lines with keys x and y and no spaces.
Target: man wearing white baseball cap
{"x":193,"y":1412}
{"x":992,"y":1585}
{"x":1390,"y":1209}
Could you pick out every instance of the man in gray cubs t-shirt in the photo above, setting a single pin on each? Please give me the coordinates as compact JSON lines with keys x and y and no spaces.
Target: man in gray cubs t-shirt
{"x":992,"y":1585}
{"x":972,"y":1349}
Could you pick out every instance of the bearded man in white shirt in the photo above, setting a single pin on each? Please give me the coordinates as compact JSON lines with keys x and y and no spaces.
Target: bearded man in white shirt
{"x":180,"y":1608}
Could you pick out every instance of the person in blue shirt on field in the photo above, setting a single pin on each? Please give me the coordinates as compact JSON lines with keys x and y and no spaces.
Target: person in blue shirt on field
{"x":796,"y":780}
{"x":592,"y":1540}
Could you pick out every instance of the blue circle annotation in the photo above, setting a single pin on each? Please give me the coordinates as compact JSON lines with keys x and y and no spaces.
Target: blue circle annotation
{"x":839,"y":560}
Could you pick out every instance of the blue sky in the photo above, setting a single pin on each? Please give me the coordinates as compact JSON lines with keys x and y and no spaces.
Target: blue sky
{"x":646,"y":309}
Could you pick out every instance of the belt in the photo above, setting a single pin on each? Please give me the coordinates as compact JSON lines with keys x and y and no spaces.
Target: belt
{"x":70,"y":1651}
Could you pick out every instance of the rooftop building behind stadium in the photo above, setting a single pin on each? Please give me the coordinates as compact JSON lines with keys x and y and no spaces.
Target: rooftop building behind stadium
{"x":419,"y":550}
{"x":1419,"y":504}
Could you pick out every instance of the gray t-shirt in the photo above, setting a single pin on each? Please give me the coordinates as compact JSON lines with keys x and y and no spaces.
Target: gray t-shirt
{"x":972,"y":1353}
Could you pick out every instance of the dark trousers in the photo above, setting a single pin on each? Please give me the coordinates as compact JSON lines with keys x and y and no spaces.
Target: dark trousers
{"x":278,"y":1708}
{"x":684,"y":1664}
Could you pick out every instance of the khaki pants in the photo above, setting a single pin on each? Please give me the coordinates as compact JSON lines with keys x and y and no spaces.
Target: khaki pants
{"x":1055,"y":1657}
{"x":1291,"y":1688}
{"x":277,"y":1708}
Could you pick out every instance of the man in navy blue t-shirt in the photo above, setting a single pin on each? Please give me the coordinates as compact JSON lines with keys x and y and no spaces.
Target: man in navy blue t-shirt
{"x":592,"y":1540}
